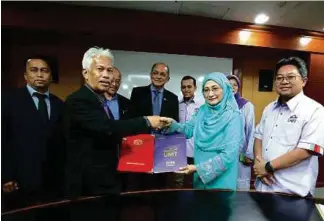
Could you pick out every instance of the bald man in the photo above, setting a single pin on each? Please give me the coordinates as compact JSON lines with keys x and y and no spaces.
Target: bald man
{"x":118,"y":104}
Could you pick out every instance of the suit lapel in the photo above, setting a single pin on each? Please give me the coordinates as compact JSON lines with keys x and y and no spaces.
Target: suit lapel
{"x":54,"y":109}
{"x":148,"y":99}
{"x":29,"y":103}
{"x":164,"y":104}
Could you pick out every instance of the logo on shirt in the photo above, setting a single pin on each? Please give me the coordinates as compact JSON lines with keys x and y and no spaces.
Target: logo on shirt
{"x":292,"y":119}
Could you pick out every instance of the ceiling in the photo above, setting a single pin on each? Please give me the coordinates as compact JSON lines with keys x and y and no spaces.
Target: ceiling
{"x":297,"y":14}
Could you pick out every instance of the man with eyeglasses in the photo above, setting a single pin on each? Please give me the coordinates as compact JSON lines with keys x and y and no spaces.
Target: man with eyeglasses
{"x":289,"y":138}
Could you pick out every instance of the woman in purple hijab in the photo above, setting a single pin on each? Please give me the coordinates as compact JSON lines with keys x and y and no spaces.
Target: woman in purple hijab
{"x":246,"y":147}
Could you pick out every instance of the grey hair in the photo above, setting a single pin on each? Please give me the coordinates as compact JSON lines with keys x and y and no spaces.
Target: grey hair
{"x":94,"y":52}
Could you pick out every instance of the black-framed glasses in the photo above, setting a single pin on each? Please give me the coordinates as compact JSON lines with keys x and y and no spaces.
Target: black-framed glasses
{"x":290,"y":78}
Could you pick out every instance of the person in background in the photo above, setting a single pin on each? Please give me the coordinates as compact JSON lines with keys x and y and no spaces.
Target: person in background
{"x":119,"y":106}
{"x":246,"y":148}
{"x":289,"y":138}
{"x":155,"y":100}
{"x":32,"y":145}
{"x":217,"y":130}
{"x":188,"y":106}
{"x":117,"y":103}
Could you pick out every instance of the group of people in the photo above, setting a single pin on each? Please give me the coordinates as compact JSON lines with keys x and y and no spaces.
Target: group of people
{"x":50,"y":146}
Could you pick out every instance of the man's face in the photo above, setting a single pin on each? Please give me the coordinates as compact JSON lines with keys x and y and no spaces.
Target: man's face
{"x":234,"y":85}
{"x":38,"y":74}
{"x":188,"y":88}
{"x":115,"y":83}
{"x":288,"y":81}
{"x":100,"y":74}
{"x":159,"y":75}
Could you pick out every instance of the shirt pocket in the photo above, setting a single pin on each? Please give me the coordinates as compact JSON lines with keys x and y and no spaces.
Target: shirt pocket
{"x":290,"y":132}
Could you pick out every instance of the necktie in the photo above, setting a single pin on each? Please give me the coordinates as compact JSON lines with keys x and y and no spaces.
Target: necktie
{"x":108,"y":111}
{"x":42,"y":107}
{"x":156,"y":103}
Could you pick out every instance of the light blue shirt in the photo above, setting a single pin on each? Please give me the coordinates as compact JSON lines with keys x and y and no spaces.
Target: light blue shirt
{"x":35,"y":99}
{"x":113,"y":106}
{"x":152,"y":88}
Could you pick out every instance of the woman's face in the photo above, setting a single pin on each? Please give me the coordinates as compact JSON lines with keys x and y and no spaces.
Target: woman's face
{"x":213,"y":93}
{"x":234,"y":85}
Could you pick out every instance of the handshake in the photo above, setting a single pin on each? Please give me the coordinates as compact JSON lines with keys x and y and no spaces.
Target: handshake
{"x":158,"y":122}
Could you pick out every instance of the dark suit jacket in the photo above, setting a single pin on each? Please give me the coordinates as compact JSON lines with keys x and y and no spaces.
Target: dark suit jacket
{"x":30,"y":151}
{"x":141,"y":103}
{"x":124,"y":107}
{"x":92,"y":138}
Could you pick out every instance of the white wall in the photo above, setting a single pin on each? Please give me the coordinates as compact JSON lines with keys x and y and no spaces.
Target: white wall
{"x":136,"y":66}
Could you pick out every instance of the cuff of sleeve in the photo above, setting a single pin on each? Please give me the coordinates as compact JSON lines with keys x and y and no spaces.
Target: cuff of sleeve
{"x":147,"y":122}
{"x":200,"y":174}
{"x":258,"y":136}
{"x":315,"y":148}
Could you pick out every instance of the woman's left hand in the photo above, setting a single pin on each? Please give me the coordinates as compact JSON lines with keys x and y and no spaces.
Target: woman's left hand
{"x":189,"y":169}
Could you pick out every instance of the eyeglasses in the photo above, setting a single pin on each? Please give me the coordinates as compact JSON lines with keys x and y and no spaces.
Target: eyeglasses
{"x":290,"y":78}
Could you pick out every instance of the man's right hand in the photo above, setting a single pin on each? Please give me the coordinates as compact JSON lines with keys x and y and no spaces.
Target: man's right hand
{"x":155,"y":122}
{"x":10,"y":187}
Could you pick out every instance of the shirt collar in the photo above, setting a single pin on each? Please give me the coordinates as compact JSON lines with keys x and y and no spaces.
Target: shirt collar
{"x":31,"y":91}
{"x":115,"y":97}
{"x":152,"y":88}
{"x":100,"y":97}
{"x":292,"y":103}
{"x":191,"y":100}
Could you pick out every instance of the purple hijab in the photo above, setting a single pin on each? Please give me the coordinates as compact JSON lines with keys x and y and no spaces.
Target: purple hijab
{"x":239,"y":100}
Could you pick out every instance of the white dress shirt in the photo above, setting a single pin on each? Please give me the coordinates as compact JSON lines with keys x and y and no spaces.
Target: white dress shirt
{"x":297,"y":124}
{"x":186,"y":110}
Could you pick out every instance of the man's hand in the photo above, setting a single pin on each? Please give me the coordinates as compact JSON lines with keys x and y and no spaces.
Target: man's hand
{"x":10,"y":187}
{"x":166,"y":121}
{"x":189,"y":169}
{"x":155,"y":122}
{"x":259,"y":167}
{"x":267,"y":180}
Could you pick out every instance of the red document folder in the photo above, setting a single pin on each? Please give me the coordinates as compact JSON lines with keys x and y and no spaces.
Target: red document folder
{"x":137,"y":154}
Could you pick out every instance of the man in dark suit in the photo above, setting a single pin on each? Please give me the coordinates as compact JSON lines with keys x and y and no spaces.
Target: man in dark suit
{"x":155,"y":100}
{"x":119,"y":106}
{"x":31,"y":141}
{"x":93,"y":135}
{"x":117,"y":103}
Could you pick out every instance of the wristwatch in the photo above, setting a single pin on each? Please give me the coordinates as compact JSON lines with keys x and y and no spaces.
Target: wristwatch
{"x":269,"y":167}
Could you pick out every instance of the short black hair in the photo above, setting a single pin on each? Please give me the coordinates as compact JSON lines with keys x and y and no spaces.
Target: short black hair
{"x":50,"y":61}
{"x":168,"y":69}
{"x":295,"y":61}
{"x":188,"y":78}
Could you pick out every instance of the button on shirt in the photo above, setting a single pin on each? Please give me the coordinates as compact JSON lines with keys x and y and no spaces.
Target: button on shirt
{"x":297,"y":124}
{"x":186,"y":110}
{"x":36,"y":101}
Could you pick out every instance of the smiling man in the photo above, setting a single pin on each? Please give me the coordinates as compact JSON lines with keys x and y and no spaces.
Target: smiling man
{"x":289,"y":138}
{"x":91,"y":131}
{"x":155,"y":100}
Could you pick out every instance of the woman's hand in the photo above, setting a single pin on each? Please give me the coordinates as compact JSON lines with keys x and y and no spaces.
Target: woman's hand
{"x":189,"y":169}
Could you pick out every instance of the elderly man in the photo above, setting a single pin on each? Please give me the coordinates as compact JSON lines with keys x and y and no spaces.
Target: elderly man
{"x":91,"y":162}
{"x":289,"y":138}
